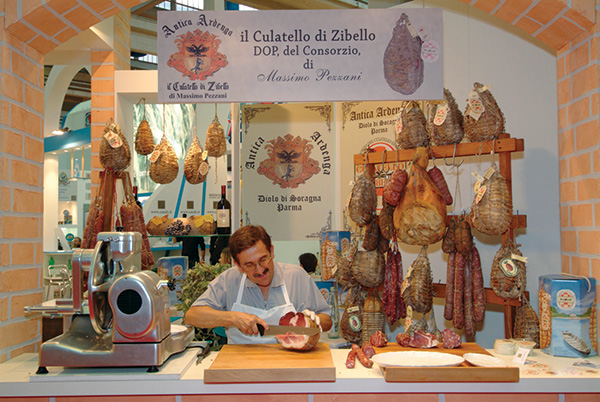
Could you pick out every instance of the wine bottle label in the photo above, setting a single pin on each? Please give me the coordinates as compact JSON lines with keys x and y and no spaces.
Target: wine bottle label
{"x":223,"y":218}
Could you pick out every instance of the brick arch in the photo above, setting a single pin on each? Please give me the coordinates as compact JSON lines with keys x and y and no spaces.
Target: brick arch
{"x":45,"y":26}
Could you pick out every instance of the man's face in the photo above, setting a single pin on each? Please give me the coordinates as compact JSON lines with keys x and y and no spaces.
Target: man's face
{"x":257,"y":263}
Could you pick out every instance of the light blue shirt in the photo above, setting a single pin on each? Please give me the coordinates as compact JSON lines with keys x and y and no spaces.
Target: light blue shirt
{"x":302,"y":290}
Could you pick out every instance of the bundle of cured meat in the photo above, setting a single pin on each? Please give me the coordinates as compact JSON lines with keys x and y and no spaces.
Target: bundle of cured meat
{"x":351,"y":321}
{"x":363,"y":200}
{"x":393,"y":302}
{"x":448,"y":241}
{"x":508,"y":278}
{"x":343,"y":274}
{"x":386,"y":221}
{"x":144,"y":140}
{"x":372,"y":235}
{"x":329,"y":258}
{"x":394,"y":187}
{"x":114,"y":148}
{"x":95,"y":219}
{"x":411,"y":127}
{"x":526,"y":323}
{"x":373,"y":317}
{"x":216,"y":144}
{"x":446,"y":121}
{"x":368,"y":268}
{"x":420,"y":216}
{"x":132,"y":218}
{"x":195,"y":166}
{"x":418,"y":291}
{"x":483,"y":119}
{"x":164,"y":165}
{"x":463,"y":238}
{"x":402,"y":64}
{"x":491,"y":211}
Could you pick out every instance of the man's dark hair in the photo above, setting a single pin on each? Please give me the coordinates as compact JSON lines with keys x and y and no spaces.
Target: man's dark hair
{"x":246,"y":237}
{"x":309,"y":262}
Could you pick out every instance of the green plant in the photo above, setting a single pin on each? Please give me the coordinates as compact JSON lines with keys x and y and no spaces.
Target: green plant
{"x":193,"y":286}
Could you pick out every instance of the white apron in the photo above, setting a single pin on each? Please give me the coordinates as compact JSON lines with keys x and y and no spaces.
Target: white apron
{"x":272,"y":316}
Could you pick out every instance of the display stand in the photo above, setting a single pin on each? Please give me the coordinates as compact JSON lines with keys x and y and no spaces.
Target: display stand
{"x":504,"y":146}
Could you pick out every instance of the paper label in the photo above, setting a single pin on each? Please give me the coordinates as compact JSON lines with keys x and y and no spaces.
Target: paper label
{"x":489,"y":172}
{"x":353,"y":309}
{"x":440,"y":115}
{"x":430,"y":51}
{"x":521,"y":355}
{"x":223,"y":218}
{"x":203,"y":168}
{"x":476,"y":105}
{"x":113,"y":139}
{"x":355,"y":323}
{"x":204,"y":155}
{"x":154,"y":155}
{"x":480,"y":194}
{"x":518,"y":258}
{"x":509,"y":267}
{"x":398,"y":123}
{"x":412,"y":30}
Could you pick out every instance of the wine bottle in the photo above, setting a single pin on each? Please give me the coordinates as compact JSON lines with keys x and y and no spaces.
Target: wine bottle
{"x":223,"y":214}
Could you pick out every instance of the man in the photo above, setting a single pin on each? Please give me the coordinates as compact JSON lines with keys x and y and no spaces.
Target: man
{"x":256,"y":290}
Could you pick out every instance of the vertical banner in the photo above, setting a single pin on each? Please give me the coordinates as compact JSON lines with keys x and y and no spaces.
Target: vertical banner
{"x":299,"y":55}
{"x":288,"y":176}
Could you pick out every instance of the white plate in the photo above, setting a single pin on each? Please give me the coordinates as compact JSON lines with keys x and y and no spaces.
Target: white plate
{"x":481,"y":360}
{"x":417,"y":359}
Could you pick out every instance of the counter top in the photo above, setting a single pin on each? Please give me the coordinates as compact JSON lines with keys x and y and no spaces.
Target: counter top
{"x":180,"y":375}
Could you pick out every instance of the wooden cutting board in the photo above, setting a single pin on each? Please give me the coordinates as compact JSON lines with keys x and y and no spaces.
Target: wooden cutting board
{"x":270,"y":363}
{"x":463,"y":373}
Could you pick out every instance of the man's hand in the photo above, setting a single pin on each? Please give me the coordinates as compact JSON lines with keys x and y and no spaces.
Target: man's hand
{"x":247,"y":323}
{"x":313,"y":316}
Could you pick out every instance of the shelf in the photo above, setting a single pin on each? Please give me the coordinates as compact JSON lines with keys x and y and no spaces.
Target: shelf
{"x":210,"y":235}
{"x":501,"y":145}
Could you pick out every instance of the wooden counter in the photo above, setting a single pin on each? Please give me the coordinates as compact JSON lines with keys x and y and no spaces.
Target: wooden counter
{"x":550,"y":376}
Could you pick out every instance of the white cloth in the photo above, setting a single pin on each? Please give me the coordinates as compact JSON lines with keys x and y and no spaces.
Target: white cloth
{"x":271,"y":316}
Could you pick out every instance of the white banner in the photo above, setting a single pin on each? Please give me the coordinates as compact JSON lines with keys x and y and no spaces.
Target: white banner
{"x":308,"y":55}
{"x":287,"y":161}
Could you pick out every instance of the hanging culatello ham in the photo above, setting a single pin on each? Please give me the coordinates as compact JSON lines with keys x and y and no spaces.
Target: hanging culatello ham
{"x":114,"y":148}
{"x":215,"y":144}
{"x":483,"y":119}
{"x":411,"y":127}
{"x":164,"y":165}
{"x":420,"y":216}
{"x":363,"y":201}
{"x":195,"y":166}
{"x":446,"y":121}
{"x":403,"y":67}
{"x":491,"y":212}
{"x":508,"y":277}
{"x":418,"y":292}
{"x":144,"y":140}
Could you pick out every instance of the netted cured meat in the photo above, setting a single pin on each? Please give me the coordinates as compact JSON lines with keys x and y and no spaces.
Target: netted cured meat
{"x":386,"y":221}
{"x":351,"y":321}
{"x":508,"y":278}
{"x":527,"y":324}
{"x":463,"y":239}
{"x":483,"y":119}
{"x":195,"y":166}
{"x":403,"y":67}
{"x":420,"y":216}
{"x":216,"y":144}
{"x":363,"y":200}
{"x":368,"y":268}
{"x":446,"y":121}
{"x":144,"y":141}
{"x":114,"y":148}
{"x":411,"y":127}
{"x":418,"y":293}
{"x":164,"y":165}
{"x":372,"y":235}
{"x":491,"y":211}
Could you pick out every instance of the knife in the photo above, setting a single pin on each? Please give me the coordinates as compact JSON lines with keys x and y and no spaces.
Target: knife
{"x":284,"y":329}
{"x":202,"y":354}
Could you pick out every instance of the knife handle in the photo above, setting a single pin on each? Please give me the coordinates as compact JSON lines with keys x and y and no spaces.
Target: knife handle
{"x":261,"y":329}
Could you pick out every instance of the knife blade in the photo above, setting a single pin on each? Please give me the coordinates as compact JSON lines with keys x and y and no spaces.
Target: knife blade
{"x":284,"y":329}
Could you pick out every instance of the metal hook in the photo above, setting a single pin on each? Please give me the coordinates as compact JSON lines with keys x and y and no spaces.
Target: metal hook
{"x":453,"y":159}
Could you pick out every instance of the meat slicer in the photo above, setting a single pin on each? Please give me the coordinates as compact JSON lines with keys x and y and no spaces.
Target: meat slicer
{"x":128,"y":324}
